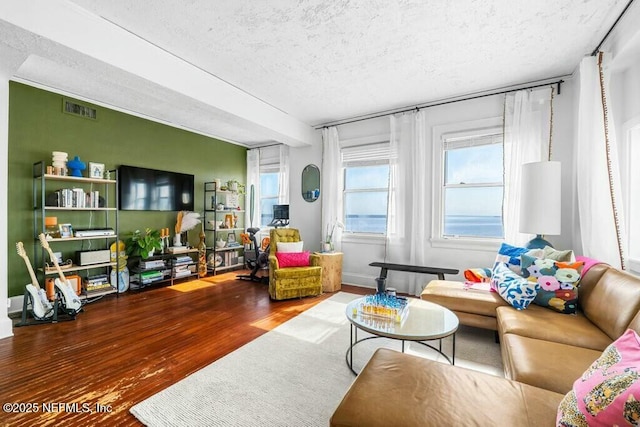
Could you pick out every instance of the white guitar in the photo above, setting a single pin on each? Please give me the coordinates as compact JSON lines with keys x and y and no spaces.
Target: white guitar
{"x":70,"y":301}
{"x":40,"y":305}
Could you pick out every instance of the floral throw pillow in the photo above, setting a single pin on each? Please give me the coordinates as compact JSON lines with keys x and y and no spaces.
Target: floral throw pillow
{"x":558,"y":282}
{"x":608,"y":393}
{"x":514,"y":289}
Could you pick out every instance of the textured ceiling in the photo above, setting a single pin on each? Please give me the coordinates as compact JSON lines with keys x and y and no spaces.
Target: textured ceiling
{"x":323,"y":61}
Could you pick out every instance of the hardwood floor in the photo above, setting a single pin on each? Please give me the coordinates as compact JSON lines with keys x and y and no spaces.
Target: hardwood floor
{"x":120,"y":351}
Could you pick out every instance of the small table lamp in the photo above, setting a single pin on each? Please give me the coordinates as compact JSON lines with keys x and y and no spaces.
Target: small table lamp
{"x":540,"y":201}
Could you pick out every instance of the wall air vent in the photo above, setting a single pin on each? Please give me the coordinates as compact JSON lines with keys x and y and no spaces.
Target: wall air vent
{"x":71,"y":107}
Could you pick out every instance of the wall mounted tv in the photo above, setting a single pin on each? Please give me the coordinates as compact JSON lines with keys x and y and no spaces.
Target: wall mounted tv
{"x":141,"y":189}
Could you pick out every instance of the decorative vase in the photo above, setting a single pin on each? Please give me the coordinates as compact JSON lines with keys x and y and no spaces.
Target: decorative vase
{"x":202,"y":255}
{"x":326,"y":247}
{"x":76,"y":166}
{"x":176,"y":240}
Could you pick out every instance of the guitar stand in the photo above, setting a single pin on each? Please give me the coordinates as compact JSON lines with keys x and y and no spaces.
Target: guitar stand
{"x":53,"y":319}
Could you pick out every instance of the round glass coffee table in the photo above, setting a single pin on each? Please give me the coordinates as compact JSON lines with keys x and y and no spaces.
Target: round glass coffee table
{"x":424,"y":321}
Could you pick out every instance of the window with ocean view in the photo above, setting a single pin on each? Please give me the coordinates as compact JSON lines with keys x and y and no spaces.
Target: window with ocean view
{"x":473,"y":186}
{"x":366,"y":185}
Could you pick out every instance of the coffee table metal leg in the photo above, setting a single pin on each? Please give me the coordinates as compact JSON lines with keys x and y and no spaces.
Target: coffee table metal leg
{"x":351,"y":346}
{"x":403,"y":346}
{"x":453,"y":352}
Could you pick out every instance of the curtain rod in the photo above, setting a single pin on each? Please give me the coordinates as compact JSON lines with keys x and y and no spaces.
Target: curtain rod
{"x":451,"y":101}
{"x":265,"y":146}
{"x":597,"y":49}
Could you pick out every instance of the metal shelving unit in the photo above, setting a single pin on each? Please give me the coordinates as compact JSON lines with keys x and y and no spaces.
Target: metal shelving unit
{"x":226,"y":258}
{"x":105,"y":216}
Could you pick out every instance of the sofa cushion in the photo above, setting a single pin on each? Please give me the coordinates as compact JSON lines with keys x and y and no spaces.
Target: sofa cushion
{"x":541,"y":323}
{"x":397,"y":389}
{"x":613,"y":302}
{"x":513,"y":288}
{"x":608,"y":392}
{"x":549,"y":365}
{"x":455,"y":297}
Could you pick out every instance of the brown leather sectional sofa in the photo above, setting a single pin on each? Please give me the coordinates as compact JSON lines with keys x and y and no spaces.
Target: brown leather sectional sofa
{"x":543,"y":353}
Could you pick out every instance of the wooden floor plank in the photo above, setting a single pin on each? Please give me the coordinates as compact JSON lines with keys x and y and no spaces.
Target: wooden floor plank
{"x":121,"y":350}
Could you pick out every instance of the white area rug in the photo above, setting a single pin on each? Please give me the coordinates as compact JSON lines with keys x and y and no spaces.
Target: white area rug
{"x":294,"y":375}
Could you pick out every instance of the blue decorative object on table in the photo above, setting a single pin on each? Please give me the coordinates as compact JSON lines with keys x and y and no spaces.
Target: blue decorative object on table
{"x":76,"y":166}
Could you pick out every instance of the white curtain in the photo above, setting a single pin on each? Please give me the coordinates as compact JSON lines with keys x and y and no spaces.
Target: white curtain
{"x":598,"y":182}
{"x":409,"y":197}
{"x":526,"y":139}
{"x":253,"y":179}
{"x":283,"y":176}
{"x":331,"y":189}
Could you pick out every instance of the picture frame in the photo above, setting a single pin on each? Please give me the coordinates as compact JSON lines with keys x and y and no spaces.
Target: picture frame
{"x":231,"y":238}
{"x":66,"y":230}
{"x":96,"y":170}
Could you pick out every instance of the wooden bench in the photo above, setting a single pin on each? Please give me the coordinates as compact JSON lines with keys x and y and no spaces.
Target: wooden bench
{"x":385,"y":267}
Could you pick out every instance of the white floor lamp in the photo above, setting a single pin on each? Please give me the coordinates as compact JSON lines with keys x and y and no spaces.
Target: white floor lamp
{"x":540,"y":201}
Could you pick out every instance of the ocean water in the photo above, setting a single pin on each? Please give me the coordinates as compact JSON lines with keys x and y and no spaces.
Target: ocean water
{"x":455,"y":225}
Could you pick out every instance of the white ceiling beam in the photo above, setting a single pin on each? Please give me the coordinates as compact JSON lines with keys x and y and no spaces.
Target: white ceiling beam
{"x":65,"y":23}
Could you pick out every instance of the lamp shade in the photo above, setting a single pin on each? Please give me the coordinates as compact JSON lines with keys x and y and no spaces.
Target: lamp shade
{"x":540,"y":198}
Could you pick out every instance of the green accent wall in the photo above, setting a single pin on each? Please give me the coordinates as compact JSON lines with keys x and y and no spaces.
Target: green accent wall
{"x":38,"y":126}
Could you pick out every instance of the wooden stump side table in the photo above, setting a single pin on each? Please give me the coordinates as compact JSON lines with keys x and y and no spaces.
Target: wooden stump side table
{"x":331,"y":263}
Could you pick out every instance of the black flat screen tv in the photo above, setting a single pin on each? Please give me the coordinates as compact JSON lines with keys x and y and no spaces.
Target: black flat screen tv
{"x":141,"y":189}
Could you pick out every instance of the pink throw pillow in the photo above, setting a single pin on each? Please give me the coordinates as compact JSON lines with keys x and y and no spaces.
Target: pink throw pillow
{"x":607,"y":394}
{"x":293,"y":259}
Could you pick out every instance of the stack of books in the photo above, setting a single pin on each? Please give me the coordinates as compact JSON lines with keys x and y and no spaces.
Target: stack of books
{"x":182,"y":271}
{"x":150,"y":276}
{"x":230,"y":258}
{"x":182,"y":260}
{"x":97,"y":283}
{"x":148,"y":264}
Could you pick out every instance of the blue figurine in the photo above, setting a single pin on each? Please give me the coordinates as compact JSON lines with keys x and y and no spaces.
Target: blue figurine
{"x":76,"y":166}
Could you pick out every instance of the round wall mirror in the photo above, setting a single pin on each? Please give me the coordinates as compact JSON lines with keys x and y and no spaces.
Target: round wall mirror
{"x":310,"y":183}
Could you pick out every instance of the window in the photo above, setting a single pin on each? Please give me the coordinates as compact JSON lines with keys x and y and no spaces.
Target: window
{"x":268,"y":195}
{"x":366,"y":183}
{"x":470,"y":171}
{"x":274,"y":177}
{"x":632,"y":201}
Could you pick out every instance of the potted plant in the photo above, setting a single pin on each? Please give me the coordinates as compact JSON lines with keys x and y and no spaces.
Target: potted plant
{"x":143,"y":244}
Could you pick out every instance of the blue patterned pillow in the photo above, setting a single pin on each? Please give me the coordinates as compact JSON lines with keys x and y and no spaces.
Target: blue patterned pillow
{"x":514,"y":289}
{"x":510,"y":255}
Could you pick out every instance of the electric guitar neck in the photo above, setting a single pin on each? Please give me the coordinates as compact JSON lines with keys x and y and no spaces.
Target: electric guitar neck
{"x":32,"y":274}
{"x":54,"y":259}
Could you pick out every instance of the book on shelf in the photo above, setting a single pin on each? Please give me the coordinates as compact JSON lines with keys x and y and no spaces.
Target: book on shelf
{"x":98,"y":287}
{"x":151,"y":275}
{"x":182,"y":273}
{"x":158,"y":263}
{"x":185,"y":259}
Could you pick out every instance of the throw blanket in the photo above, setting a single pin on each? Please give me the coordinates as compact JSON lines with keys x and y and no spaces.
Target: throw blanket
{"x":478,"y":275}
{"x":588,"y":263}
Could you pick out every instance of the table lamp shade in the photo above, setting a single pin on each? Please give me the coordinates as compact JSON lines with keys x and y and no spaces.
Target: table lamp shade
{"x":540,"y":198}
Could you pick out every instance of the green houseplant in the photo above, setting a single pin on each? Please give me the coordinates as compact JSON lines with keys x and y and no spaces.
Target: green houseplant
{"x":143,"y":244}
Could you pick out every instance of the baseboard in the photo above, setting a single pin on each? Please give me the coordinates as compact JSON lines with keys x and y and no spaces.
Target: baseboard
{"x":358,"y":280}
{"x":15,"y":305}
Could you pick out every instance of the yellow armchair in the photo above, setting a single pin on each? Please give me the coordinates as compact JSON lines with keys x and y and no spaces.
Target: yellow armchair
{"x":292,"y":282}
